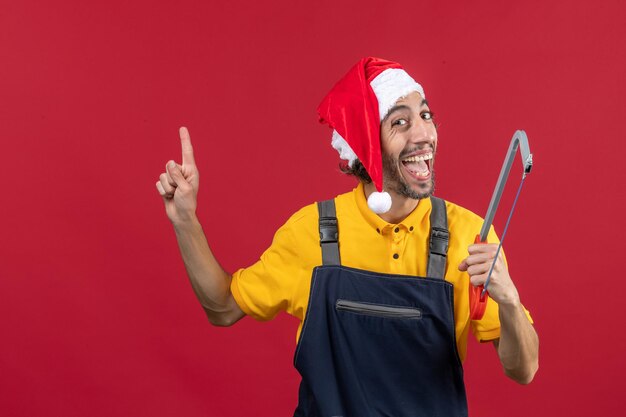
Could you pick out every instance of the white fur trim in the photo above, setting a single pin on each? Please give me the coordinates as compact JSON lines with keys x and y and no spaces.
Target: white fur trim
{"x":345,"y":151}
{"x":391,"y":85}
{"x":379,"y":203}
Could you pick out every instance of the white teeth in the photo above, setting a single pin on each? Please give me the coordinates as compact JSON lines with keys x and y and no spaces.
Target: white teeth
{"x":420,"y":174}
{"x":419,"y":158}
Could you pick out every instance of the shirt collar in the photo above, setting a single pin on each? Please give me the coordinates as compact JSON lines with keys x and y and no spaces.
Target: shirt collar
{"x":410,"y":223}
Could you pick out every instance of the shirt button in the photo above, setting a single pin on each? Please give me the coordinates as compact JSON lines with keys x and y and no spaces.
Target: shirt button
{"x":411,"y":228}
{"x":396,"y":256}
{"x":397,"y":229}
{"x":377,"y":230}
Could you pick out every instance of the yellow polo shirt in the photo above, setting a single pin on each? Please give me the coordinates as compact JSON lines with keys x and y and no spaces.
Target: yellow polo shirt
{"x":281,"y":279}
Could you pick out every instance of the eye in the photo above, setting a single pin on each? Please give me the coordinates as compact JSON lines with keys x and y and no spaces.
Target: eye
{"x":399,"y":122}
{"x":427,"y":115}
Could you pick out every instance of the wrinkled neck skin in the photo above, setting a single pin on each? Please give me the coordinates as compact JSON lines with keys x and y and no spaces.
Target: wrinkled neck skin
{"x":401,"y":206}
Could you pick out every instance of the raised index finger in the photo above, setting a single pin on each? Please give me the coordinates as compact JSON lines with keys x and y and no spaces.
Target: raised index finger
{"x":185,"y":142}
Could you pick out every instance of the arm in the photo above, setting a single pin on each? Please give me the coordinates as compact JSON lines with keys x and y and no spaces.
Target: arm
{"x":209,"y":281}
{"x":179,"y":188}
{"x":518,"y":346}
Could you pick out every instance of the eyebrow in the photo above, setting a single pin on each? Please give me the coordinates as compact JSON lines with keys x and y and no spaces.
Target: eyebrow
{"x":403,"y":107}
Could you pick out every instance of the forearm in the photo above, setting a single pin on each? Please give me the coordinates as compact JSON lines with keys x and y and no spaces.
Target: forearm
{"x":209,"y":281}
{"x":518,"y":347}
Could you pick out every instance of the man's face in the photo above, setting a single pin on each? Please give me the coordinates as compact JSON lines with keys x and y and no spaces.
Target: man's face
{"x":408,"y":142}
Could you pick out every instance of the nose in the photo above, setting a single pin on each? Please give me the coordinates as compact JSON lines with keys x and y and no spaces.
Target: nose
{"x":423,"y":132}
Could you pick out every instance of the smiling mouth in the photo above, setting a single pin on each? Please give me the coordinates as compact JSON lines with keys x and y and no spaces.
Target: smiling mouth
{"x":418,"y":165}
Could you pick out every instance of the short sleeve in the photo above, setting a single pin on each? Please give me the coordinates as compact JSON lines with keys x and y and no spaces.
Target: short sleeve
{"x":270,"y":285}
{"x":488,"y":328}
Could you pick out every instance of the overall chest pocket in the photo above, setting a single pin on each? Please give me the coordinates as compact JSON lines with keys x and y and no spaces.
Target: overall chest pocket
{"x":378,"y":310}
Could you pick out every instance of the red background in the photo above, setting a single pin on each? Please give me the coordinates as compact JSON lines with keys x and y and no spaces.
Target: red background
{"x":96,"y":315}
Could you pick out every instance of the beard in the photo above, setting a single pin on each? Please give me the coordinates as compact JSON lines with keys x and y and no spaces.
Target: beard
{"x":393,"y":180}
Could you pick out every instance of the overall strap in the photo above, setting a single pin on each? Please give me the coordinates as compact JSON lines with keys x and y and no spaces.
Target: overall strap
{"x":439,"y":237}
{"x":328,"y":232}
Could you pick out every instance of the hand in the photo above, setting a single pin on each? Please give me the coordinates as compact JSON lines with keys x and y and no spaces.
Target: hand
{"x":478,"y":264}
{"x":178,"y":185}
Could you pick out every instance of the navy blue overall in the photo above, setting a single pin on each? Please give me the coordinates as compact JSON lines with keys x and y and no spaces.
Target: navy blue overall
{"x":378,"y":344}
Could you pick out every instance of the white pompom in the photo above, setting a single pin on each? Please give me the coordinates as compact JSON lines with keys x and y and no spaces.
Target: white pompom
{"x":379,"y":203}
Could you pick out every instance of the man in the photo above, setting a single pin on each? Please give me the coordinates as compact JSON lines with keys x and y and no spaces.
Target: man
{"x":379,"y":277}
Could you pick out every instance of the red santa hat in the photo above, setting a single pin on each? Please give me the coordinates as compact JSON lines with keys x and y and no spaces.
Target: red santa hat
{"x":354,"y":109}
